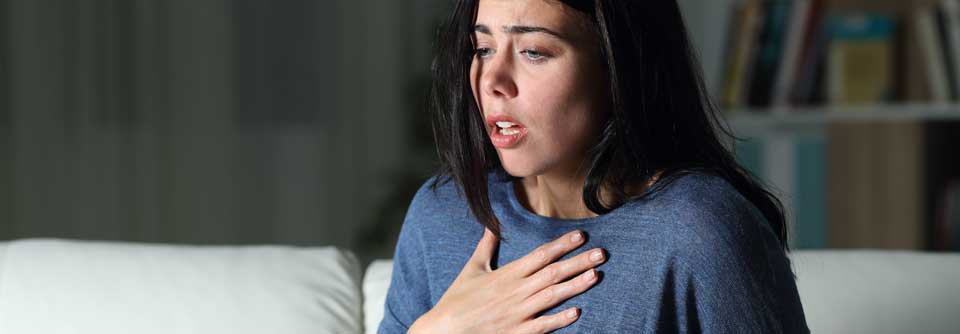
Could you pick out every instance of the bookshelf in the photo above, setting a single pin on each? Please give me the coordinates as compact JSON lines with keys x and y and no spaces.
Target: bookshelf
{"x":857,"y":176}
{"x":849,"y":110}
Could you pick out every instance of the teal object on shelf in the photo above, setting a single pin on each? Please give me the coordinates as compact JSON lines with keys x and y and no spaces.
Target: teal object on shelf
{"x":811,"y":184}
{"x":749,"y":154}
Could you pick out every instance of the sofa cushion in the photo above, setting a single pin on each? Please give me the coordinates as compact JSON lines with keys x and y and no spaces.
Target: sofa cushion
{"x":57,"y":286}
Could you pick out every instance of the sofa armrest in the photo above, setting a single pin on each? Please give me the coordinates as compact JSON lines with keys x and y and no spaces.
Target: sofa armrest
{"x":60,"y":286}
{"x":879,"y":291}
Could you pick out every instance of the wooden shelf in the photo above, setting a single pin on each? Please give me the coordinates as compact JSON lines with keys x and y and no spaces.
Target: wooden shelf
{"x":799,"y":118}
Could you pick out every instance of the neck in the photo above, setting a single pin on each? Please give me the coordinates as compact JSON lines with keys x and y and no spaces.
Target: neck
{"x":562,"y":197}
{"x":554,"y":196}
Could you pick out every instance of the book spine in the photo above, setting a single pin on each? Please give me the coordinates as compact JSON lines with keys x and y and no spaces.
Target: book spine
{"x":791,"y":56}
{"x":770,"y":49}
{"x":949,"y":62}
{"x":951,"y":11}
{"x":814,"y":55}
{"x":743,"y":60}
{"x":861,"y":64}
{"x":933,"y":54}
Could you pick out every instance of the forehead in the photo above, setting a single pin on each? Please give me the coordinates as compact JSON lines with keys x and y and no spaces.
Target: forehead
{"x":551,"y":14}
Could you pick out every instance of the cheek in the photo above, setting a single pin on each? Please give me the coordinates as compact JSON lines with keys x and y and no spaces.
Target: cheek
{"x":473,"y":80}
{"x":550,"y":99}
{"x":563,"y":129}
{"x":573,"y":129}
{"x":568,"y":114}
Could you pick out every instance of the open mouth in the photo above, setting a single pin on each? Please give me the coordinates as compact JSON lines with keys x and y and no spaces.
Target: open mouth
{"x":505,"y":132}
{"x":507,"y":128}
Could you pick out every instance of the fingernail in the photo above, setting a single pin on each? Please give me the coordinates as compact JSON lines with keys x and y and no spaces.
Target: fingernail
{"x":596,"y":256}
{"x":572,"y":313}
{"x":576,"y":237}
{"x":589,"y":275}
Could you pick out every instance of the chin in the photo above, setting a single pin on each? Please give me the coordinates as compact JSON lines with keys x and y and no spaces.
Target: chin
{"x":517,"y":172}
{"x":519,"y":167}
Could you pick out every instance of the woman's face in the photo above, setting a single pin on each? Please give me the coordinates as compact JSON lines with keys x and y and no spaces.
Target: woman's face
{"x":539,"y":81}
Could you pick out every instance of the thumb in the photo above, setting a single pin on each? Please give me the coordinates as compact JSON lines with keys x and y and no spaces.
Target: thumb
{"x":485,"y":248}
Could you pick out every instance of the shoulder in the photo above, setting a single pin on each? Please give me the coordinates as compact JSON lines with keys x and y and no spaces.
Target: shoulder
{"x":437,"y":207}
{"x":720,"y":244}
{"x":437,"y":232}
{"x":698,"y":198}
{"x":437,"y":195}
{"x":707,"y":218}
{"x":441,"y":195}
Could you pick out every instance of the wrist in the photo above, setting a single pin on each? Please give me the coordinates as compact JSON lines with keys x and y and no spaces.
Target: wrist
{"x":426,"y":324}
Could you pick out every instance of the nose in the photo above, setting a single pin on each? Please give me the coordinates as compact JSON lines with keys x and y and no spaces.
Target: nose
{"x":496,"y":78}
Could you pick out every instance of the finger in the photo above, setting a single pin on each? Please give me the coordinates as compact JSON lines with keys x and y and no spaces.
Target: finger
{"x":483,"y":254}
{"x":547,"y":323}
{"x":555,"y":294}
{"x":545,"y":254}
{"x":561,"y":271}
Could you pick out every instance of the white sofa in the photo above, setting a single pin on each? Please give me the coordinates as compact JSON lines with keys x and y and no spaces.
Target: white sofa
{"x":54,"y":286}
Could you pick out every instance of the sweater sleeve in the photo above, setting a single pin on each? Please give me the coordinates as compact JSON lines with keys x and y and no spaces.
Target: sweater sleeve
{"x":731,"y":275}
{"x":728,"y":296}
{"x":408,"y":296}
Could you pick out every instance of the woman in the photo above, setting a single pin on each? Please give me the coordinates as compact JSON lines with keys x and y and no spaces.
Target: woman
{"x":566,"y":124}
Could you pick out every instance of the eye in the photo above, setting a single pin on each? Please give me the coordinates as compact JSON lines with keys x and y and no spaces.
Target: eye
{"x":483,"y":52}
{"x":534,"y":55}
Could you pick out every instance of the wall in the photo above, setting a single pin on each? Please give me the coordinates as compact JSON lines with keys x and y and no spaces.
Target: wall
{"x":168,"y":120}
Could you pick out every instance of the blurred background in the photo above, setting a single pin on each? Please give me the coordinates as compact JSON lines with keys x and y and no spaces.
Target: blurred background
{"x":302,"y":122}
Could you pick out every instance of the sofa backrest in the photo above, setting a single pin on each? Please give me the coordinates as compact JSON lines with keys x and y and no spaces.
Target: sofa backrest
{"x":852,"y":291}
{"x":57,"y":286}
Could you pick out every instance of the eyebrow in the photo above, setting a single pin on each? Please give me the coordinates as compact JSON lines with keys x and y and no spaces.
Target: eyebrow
{"x":519,"y":30}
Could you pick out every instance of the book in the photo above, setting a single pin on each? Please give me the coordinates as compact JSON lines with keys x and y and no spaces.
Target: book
{"x":784,"y":53}
{"x":796,"y":39}
{"x":928,"y":34}
{"x":861,"y":59}
{"x":729,"y":53}
{"x":770,"y":49}
{"x":949,"y":15}
{"x":714,"y":28}
{"x":740,"y":67}
{"x":806,"y":86}
{"x":949,"y":62}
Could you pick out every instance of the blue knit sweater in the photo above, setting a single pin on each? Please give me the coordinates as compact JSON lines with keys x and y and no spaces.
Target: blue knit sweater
{"x":694,"y":257}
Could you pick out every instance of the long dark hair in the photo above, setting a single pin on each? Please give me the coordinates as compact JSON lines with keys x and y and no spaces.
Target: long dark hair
{"x":662,"y":118}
